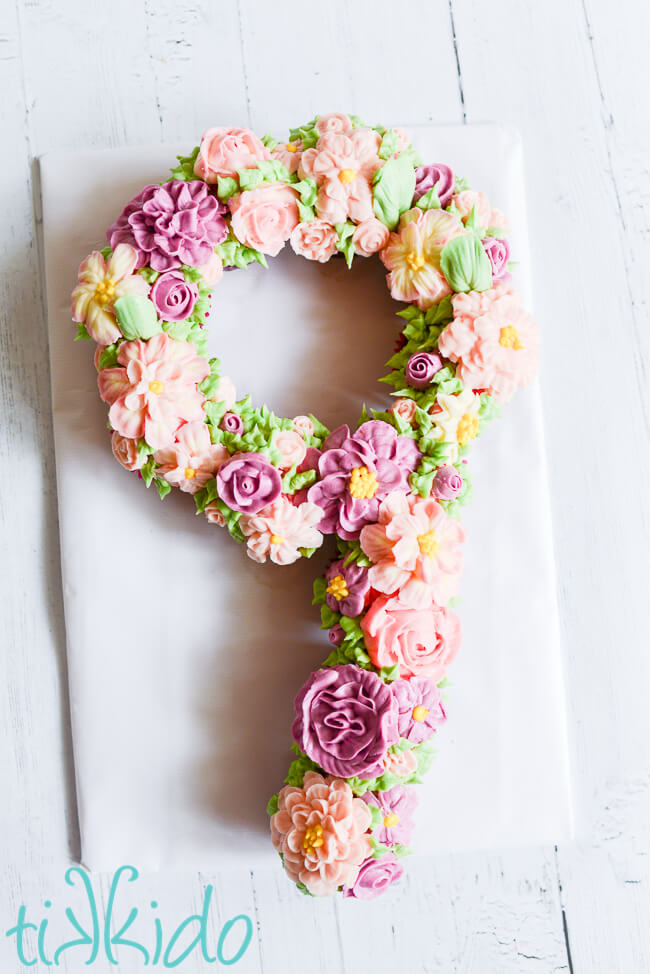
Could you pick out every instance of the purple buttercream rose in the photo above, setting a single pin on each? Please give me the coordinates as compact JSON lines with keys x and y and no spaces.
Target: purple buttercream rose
{"x":420,"y":710}
{"x":177,"y":223}
{"x":173,"y":296}
{"x":426,"y":178}
{"x":232,"y":423}
{"x":336,"y":634}
{"x":421,"y":368}
{"x":447,"y":483}
{"x":248,"y":482}
{"x":346,"y":588}
{"x":396,"y":806}
{"x":357,"y":472}
{"x":346,"y":719}
{"x":499,"y":253}
{"x":374,"y":877}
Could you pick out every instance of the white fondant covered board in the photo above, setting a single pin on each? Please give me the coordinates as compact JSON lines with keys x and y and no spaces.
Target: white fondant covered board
{"x":184,"y":656}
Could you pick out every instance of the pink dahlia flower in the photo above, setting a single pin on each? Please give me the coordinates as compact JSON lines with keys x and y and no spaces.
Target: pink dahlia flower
{"x":192,"y":459}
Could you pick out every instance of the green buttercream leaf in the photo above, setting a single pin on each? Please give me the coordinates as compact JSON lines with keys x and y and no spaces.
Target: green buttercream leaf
{"x":307,"y":552}
{"x":273,"y":170}
{"x":185,"y":168}
{"x":439,"y":313}
{"x":489,"y":408}
{"x":108,"y":358}
{"x":389,"y":144}
{"x":303,"y":889}
{"x":250,"y":178}
{"x":136,"y":316}
{"x":376,"y":817}
{"x":393,"y":188}
{"x":328,"y":617}
{"x":272,"y":805}
{"x":82,"y":333}
{"x":163,"y":487}
{"x":149,"y":274}
{"x":227,"y":186}
{"x":351,"y":551}
{"x":378,"y":848}
{"x":321,"y":432}
{"x":106,"y":252}
{"x":461,"y":184}
{"x":499,"y":232}
{"x":399,"y":850}
{"x":425,"y":754}
{"x":293,"y":481}
{"x":308,"y":191}
{"x":389,"y":673}
{"x":306,"y":213}
{"x":143,"y":450}
{"x":148,"y":471}
{"x":430,"y":200}
{"x":269,"y":141}
{"x":465,"y":264}
{"x":307,"y":133}
{"x":349,"y":652}
{"x":179,"y":330}
{"x":298,"y":769}
{"x":235,"y":254}
{"x":472,"y":222}
{"x":344,"y":243}
{"x":320,"y":591}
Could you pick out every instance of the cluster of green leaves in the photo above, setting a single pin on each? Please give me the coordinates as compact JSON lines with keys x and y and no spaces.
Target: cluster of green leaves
{"x":424,"y":754}
{"x":422,"y":330}
{"x":185,"y":168}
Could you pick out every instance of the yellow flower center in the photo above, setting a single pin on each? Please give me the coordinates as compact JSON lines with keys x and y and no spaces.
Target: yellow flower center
{"x":347,"y":175}
{"x":290,"y":147}
{"x":363,"y":483}
{"x":313,"y":838}
{"x":467,"y":429}
{"x":427,"y":544}
{"x":105,"y":292}
{"x":391,"y":820}
{"x":276,"y":539}
{"x":190,"y":473}
{"x":156,"y":386}
{"x":420,"y":713}
{"x":338,"y":588}
{"x":415,"y":260}
{"x":509,"y":338}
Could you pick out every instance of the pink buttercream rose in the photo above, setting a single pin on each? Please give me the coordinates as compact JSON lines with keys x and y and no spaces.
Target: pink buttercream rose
{"x":292,"y":447}
{"x":303,"y":425}
{"x":315,"y":240}
{"x":370,"y":236}
{"x":405,"y":409}
{"x":336,"y":123}
{"x":264,"y":218}
{"x":225,"y":150}
{"x":125,"y":451}
{"x":421,"y":641}
{"x":402,"y":764}
{"x":214,"y":515}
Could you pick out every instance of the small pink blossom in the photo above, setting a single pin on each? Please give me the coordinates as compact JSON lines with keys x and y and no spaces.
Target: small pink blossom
{"x":279,"y":530}
{"x":192,"y":460}
{"x":289,"y":154}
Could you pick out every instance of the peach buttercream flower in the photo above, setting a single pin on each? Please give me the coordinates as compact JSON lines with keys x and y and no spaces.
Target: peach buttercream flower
{"x":321,"y":829}
{"x":292,"y":447}
{"x":214,"y":515}
{"x":415,"y":549}
{"x":370,"y":236}
{"x":264,"y":218}
{"x":225,"y":150}
{"x":303,"y":425}
{"x":412,"y":256}
{"x":315,"y":240}
{"x":289,"y":154}
{"x":280,"y":529}
{"x":101,"y":283}
{"x":192,"y":460}
{"x":402,"y":763}
{"x":343,"y":166}
{"x":405,"y":409}
{"x":334,"y":123}
{"x":125,"y":451}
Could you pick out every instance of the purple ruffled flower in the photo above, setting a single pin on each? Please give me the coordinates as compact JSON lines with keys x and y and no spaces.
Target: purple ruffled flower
{"x":248,"y":482}
{"x":357,"y":472}
{"x":375,"y":876}
{"x":173,"y":296}
{"x":447,"y":483}
{"x":346,"y":719}
{"x":420,"y":710}
{"x":421,"y":368}
{"x":232,"y":423}
{"x":177,"y":223}
{"x":347,"y":595}
{"x":426,"y":178}
{"x":396,"y":806}
{"x":499,"y":253}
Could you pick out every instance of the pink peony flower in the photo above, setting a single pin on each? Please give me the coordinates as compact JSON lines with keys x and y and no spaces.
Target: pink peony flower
{"x":192,"y":460}
{"x":493,"y":340}
{"x":225,"y":150}
{"x":413,"y":256}
{"x":334,"y":123}
{"x":155,"y":391}
{"x":292,"y":447}
{"x":289,"y":154}
{"x":264,"y":218}
{"x":280,"y":529}
{"x":421,"y":641}
{"x":370,"y":236}
{"x":315,"y":240}
{"x":101,"y":283}
{"x":321,"y":830}
{"x":343,"y":166}
{"x":415,"y":548}
{"x":125,"y":452}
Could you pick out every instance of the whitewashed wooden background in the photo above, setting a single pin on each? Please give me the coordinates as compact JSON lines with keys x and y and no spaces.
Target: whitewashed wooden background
{"x":573,"y":76}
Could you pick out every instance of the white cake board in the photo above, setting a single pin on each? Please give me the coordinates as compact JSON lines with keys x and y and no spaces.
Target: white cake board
{"x":184,"y":656}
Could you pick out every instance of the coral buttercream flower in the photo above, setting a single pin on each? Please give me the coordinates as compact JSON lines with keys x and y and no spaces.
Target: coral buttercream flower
{"x":422,"y":642}
{"x":370,"y":236}
{"x":416,"y":551}
{"x":289,"y":154}
{"x":421,"y":713}
{"x":321,"y":831}
{"x":264,"y":218}
{"x":357,"y":471}
{"x":396,"y":806}
{"x":412,"y":256}
{"x":214,"y":515}
{"x":248,"y":482}
{"x":315,"y":240}
{"x":125,"y":452}
{"x":101,"y":283}
{"x":192,"y":460}
{"x":347,"y":586}
{"x":292,"y":447}
{"x":493,"y":340}
{"x":334,"y":123}
{"x":280,"y":530}
{"x":375,"y":876}
{"x":343,"y":166}
{"x":225,"y":150}
{"x":156,"y":390}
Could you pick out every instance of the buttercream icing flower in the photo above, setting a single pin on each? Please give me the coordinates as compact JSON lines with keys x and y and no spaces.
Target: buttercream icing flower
{"x":438,"y":175}
{"x":405,"y":409}
{"x":214,"y":515}
{"x":343,"y":166}
{"x":416,"y":551}
{"x":192,"y":459}
{"x":303,"y":425}
{"x":225,"y":150}
{"x":321,"y":831}
{"x":155,"y":391}
{"x":347,"y":586}
{"x":248,"y":482}
{"x":357,"y":471}
{"x":484,"y":213}
{"x":456,"y":418}
{"x":422,"y":642}
{"x":315,"y":240}
{"x":498,"y":252}
{"x":420,"y":709}
{"x":403,"y":764}
{"x":125,"y":451}
{"x":289,"y":154}
{"x":292,"y":447}
{"x":374,"y":877}
{"x":101,"y":283}
{"x":421,"y":368}
{"x":232,"y":423}
{"x":334,"y":123}
{"x":396,"y":806}
{"x":412,"y":256}
{"x":336,"y":634}
{"x":225,"y":392}
{"x":346,"y":719}
{"x":370,"y":236}
{"x":264,"y":218}
{"x":173,"y":297}
{"x":177,"y":223}
{"x":447,"y":483}
{"x":493,"y":340}
{"x":280,"y":530}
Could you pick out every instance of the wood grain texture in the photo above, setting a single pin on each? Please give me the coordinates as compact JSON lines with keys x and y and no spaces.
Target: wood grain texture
{"x":572,"y":76}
